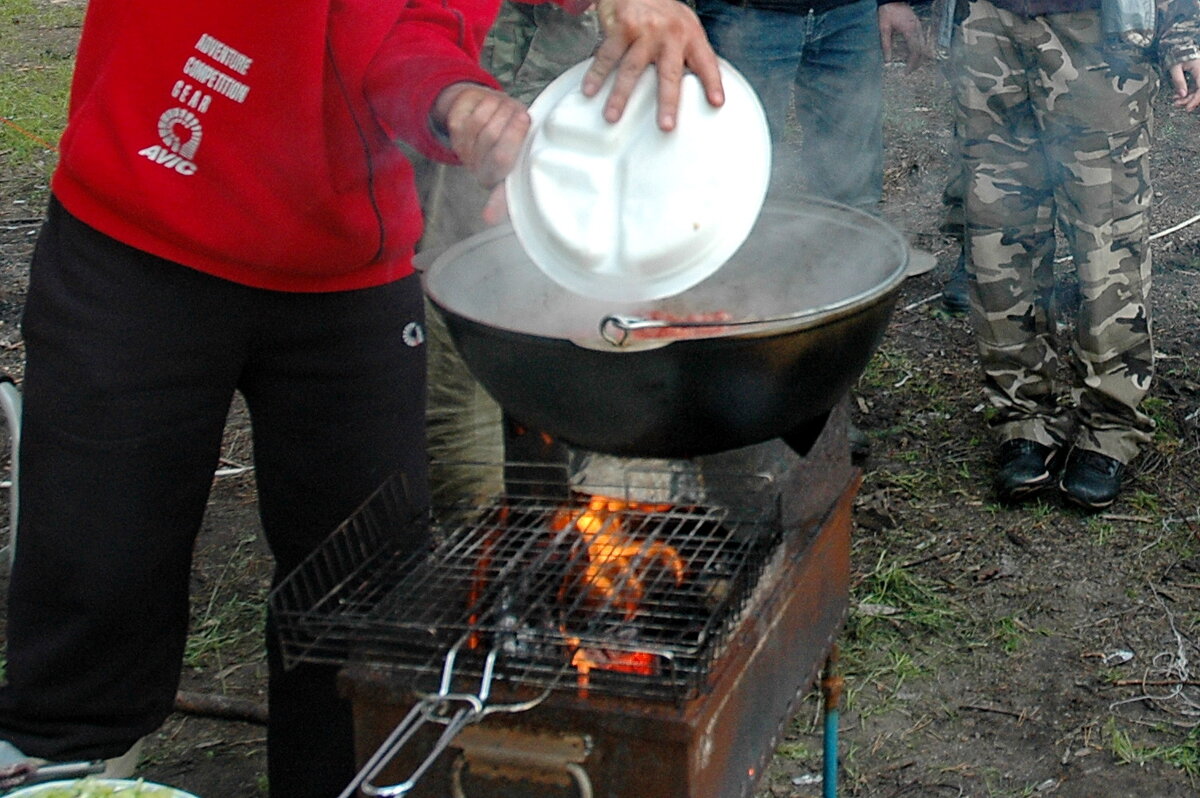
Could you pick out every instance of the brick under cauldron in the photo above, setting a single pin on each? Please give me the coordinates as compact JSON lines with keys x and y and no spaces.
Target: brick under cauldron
{"x":616,"y":629}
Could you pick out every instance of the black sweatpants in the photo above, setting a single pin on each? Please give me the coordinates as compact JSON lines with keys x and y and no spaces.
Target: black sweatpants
{"x":132,"y":363}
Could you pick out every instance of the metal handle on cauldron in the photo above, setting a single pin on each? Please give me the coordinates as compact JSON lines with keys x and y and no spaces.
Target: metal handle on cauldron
{"x":616,"y":328}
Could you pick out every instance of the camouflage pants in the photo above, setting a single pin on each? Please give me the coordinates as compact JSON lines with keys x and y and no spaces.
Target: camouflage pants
{"x":531,"y":45}
{"x":527,"y":48}
{"x":1053,"y":126}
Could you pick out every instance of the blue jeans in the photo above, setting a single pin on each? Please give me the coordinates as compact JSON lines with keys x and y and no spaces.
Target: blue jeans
{"x":833,"y":64}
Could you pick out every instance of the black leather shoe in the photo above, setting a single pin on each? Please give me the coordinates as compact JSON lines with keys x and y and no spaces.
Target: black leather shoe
{"x":1090,"y":479}
{"x":954,"y":293}
{"x":1024,"y":468}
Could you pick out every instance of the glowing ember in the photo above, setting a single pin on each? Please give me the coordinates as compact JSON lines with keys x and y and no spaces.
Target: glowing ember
{"x":615,"y":569}
{"x":482,"y":576}
{"x":585,"y":660}
{"x":618,"y":564}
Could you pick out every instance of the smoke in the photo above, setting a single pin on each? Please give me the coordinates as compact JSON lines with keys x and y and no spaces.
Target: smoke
{"x":802,"y":262}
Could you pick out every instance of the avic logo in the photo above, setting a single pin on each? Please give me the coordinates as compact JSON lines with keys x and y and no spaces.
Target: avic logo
{"x":180,"y":132}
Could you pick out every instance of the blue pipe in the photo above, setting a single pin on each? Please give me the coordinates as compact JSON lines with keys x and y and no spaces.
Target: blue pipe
{"x":829,"y":780}
{"x":831,"y":687}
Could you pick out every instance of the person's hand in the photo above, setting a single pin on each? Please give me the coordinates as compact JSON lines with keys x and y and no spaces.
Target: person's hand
{"x":1187,"y":98}
{"x":637,"y":33}
{"x":899,"y":19}
{"x":486,"y":129}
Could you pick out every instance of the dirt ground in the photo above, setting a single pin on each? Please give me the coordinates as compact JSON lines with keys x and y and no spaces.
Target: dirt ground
{"x":990,"y":651}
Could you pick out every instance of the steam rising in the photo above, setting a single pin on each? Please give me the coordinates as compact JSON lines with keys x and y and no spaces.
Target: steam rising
{"x":801,"y":263}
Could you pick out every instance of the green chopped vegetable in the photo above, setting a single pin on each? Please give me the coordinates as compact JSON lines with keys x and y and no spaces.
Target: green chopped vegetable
{"x":100,"y":788}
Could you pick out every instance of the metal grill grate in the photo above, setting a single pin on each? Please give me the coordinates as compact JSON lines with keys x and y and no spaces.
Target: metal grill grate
{"x":568,"y":591}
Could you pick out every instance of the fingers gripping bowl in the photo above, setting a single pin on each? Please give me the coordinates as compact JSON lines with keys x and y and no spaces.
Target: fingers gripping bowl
{"x":625,"y":211}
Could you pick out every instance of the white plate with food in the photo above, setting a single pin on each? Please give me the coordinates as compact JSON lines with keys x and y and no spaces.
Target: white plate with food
{"x":100,"y":788}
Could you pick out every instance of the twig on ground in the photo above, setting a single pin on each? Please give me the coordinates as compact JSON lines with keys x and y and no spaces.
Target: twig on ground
{"x":937,"y":556}
{"x":921,"y":302}
{"x":1153,"y":236}
{"x":231,"y":468}
{"x":1021,"y":716}
{"x":1170,"y":669}
{"x":1176,"y":228}
{"x":221,"y":706}
{"x":1154,"y":683}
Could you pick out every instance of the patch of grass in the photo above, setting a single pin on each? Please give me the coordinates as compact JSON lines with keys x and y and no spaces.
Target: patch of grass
{"x":1143,"y":502}
{"x":1183,"y":755}
{"x":1010,"y":634}
{"x":796,"y":750}
{"x":886,"y":367}
{"x":891,"y":671}
{"x":1040,"y":509}
{"x":894,"y":372}
{"x":228,"y":625}
{"x":34,"y":81}
{"x":917,"y":483}
{"x":1102,"y":530}
{"x":917,"y":601}
{"x":1159,"y":409}
{"x":231,"y":626}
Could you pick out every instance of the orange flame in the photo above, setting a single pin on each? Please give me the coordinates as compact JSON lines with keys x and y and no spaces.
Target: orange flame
{"x":618,"y":563}
{"x":481,"y":577}
{"x":585,"y":660}
{"x":614,"y":572}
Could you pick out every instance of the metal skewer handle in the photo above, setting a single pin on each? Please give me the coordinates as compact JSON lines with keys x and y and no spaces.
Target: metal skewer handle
{"x":436,"y":708}
{"x":432,"y":708}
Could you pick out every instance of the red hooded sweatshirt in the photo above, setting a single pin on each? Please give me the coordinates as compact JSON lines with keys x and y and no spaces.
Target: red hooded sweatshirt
{"x":256,"y":141}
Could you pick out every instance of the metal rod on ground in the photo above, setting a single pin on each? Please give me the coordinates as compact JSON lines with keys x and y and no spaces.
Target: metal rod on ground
{"x":831,"y":687}
{"x":10,"y":401}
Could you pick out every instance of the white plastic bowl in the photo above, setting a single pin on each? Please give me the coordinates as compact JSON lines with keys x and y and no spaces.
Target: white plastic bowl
{"x":117,"y":788}
{"x":626,"y":212}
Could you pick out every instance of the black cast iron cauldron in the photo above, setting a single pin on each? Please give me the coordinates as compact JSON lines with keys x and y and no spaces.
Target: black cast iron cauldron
{"x":776,"y":336}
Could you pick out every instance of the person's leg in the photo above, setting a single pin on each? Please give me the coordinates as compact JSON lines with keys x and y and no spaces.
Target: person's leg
{"x":1096,"y":103}
{"x":1010,"y":228}
{"x":507,"y":43}
{"x":559,"y":41}
{"x":527,"y":48}
{"x":838,"y":87}
{"x":839,"y":105}
{"x":764,"y":46}
{"x":1097,"y":133}
{"x":955,"y":291}
{"x":130,"y":366}
{"x":335,"y":388}
{"x":1010,"y":247}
